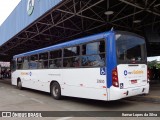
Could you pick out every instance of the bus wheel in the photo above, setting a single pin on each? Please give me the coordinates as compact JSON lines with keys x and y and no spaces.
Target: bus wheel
{"x":56,"y":91}
{"x":19,"y":85}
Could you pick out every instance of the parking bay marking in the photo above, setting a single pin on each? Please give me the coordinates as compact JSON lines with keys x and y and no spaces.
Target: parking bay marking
{"x":64,"y":118}
{"x":34,"y":99}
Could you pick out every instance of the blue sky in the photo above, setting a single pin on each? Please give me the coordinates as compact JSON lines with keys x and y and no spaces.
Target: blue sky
{"x":6,"y":7}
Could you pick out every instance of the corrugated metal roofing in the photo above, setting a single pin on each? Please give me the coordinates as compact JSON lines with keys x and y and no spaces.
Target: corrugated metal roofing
{"x":19,"y":18}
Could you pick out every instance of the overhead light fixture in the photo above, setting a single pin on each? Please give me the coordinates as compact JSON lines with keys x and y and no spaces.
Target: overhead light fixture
{"x":47,"y":38}
{"x":108,"y":12}
{"x":136,"y":21}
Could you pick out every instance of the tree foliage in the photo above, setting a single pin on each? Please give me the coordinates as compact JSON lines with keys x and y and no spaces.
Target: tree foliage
{"x":154,"y":63}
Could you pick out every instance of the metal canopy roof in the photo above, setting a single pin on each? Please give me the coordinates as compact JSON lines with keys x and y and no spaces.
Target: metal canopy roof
{"x":71,"y":19}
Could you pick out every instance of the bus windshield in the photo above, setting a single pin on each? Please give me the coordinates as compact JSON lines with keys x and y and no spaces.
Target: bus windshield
{"x":130,"y":49}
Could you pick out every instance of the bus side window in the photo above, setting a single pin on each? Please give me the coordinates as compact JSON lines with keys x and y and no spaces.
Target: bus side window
{"x":25,"y":63}
{"x":20,"y":63}
{"x":55,"y":59}
{"x":102,"y":46}
{"x":84,"y":50}
{"x":33,"y":62}
{"x":43,"y":60}
{"x":71,"y":57}
{"x":93,"y":54}
{"x":102,"y":49}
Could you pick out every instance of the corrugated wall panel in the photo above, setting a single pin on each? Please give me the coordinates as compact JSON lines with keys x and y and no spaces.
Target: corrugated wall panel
{"x":19,"y":19}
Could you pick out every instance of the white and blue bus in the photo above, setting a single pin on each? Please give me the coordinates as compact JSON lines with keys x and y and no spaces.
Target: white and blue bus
{"x":106,"y":66}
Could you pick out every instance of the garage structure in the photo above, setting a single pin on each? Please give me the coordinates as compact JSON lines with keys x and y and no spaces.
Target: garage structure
{"x":37,"y":23}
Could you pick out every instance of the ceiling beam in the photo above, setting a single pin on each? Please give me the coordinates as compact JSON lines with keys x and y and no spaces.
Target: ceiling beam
{"x":140,"y":7}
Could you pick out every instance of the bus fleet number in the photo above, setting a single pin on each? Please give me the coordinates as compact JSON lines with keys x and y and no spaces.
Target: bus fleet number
{"x":100,"y":81}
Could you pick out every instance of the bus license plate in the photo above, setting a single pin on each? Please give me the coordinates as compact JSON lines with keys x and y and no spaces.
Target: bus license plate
{"x":133,"y":81}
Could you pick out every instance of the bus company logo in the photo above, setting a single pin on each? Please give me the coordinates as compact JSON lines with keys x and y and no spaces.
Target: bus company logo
{"x":26,"y":73}
{"x":137,"y":72}
{"x":133,"y":72}
{"x":125,"y":72}
{"x":30,"y":7}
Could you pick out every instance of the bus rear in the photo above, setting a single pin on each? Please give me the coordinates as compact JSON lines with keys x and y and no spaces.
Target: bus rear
{"x":129,"y":78}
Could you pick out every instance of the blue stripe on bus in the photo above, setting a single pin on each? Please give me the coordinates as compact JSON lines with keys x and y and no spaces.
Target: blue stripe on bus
{"x":111,"y":57}
{"x":66,"y":44}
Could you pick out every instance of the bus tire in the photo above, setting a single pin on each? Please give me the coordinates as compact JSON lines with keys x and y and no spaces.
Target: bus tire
{"x":55,"y":91}
{"x":19,"y":85}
